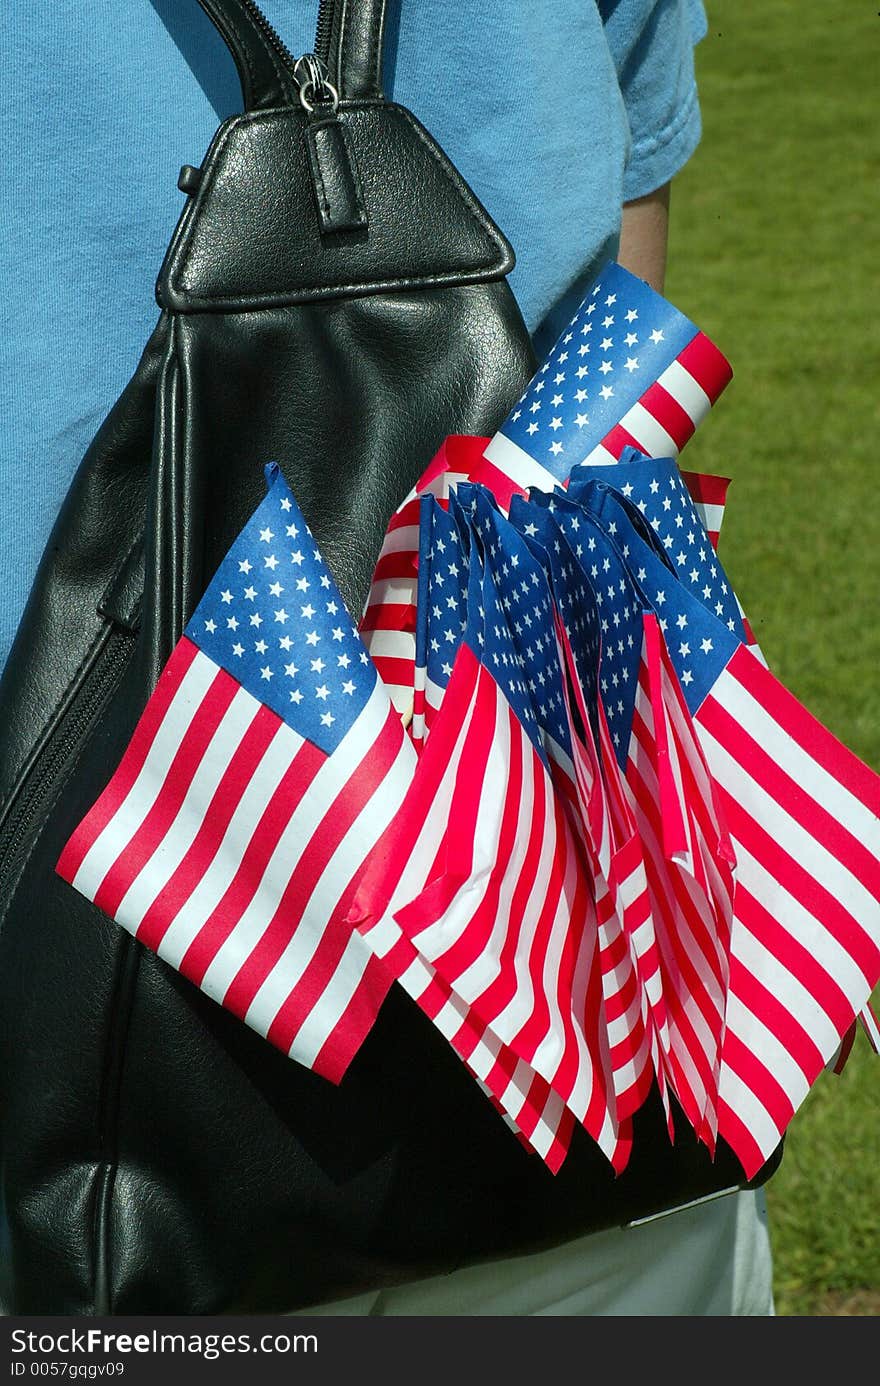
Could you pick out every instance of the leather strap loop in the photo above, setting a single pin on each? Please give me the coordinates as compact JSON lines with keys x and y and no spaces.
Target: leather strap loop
{"x":265,"y":69}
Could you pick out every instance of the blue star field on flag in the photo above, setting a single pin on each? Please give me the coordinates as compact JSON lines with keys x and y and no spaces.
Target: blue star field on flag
{"x":655,"y":486}
{"x":575,"y":601}
{"x":274,"y":619}
{"x":441,"y":598}
{"x":520,"y":596}
{"x":699,"y":643}
{"x":623,"y":336}
{"x":552,"y":519}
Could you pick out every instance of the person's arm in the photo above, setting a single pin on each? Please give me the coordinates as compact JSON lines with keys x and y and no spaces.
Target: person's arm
{"x":643,"y":237}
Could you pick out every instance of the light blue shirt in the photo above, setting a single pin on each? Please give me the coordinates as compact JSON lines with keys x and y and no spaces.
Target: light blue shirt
{"x":555,"y":111}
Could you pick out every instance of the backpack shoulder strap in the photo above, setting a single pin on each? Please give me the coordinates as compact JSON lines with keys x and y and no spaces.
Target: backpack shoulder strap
{"x":349,"y":41}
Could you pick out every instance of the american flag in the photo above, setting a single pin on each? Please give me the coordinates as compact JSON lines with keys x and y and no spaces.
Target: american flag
{"x":524,"y":574}
{"x":632,"y":983}
{"x":525,"y":1099}
{"x":804,"y":819}
{"x":504,"y":910}
{"x":630,"y":370}
{"x":441,"y":606}
{"x":689,"y":889}
{"x":678,"y":506}
{"x":261,"y":775}
{"x":654,"y":405}
{"x":388,"y":622}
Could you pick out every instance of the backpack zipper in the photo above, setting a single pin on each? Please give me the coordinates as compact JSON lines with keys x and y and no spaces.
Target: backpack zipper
{"x":322,"y":30}
{"x":309,"y":71}
{"x":42,"y":775}
{"x":271,"y":33}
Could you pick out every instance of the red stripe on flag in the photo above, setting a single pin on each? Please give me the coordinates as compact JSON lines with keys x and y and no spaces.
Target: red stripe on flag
{"x":394,"y":672}
{"x":668,"y":412}
{"x":240,"y":891}
{"x":347,"y":1036}
{"x":740,"y":1139}
{"x":764,"y":1003}
{"x":818,"y":743}
{"x":471,"y":943}
{"x":793,"y":957}
{"x":702,"y":359}
{"x":206,"y":843}
{"x":360,"y":785}
{"x":804,"y":808}
{"x":617,"y":439}
{"x":186,"y":761}
{"x":388,"y":616}
{"x":798,"y":881}
{"x":96,"y":820}
{"x":757,"y":1077}
{"x":396,"y":564}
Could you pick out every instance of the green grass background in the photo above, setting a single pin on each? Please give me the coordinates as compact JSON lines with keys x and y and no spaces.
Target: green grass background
{"x":774,"y":253}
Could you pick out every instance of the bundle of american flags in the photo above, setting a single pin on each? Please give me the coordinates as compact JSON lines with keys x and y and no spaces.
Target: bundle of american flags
{"x":548,"y":784}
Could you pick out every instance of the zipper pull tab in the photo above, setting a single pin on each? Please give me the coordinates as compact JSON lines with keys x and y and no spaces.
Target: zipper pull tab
{"x":315,"y":87}
{"x":335,"y":178}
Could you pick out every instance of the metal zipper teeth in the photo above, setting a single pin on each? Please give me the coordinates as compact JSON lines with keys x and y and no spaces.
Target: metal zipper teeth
{"x":41,"y":779}
{"x":271,"y":33}
{"x":323,"y":28}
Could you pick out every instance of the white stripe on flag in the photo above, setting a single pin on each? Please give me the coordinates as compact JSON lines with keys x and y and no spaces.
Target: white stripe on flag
{"x":140,"y":798}
{"x":181,"y":833}
{"x":800,"y":844}
{"x":298,"y":831}
{"x":648,"y":432}
{"x":338,"y":870}
{"x":516,"y":463}
{"x":814,"y":780}
{"x":711,"y":515}
{"x":219,"y":874}
{"x":686,"y":391}
{"x":390,"y":644}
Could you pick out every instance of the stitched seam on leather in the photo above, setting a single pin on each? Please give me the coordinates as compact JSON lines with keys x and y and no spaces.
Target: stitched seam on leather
{"x":115,"y":578}
{"x":322,"y":188}
{"x":177,"y":280}
{"x":355,"y":188}
{"x":246,"y":59}
{"x":242,"y":46}
{"x":362,"y":289}
{"x":277,"y":67}
{"x":375,"y":84}
{"x":346,"y":31}
{"x":207,"y":183}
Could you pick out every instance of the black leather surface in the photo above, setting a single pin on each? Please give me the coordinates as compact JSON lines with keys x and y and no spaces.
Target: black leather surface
{"x":156,"y":1154}
{"x":252,"y":236}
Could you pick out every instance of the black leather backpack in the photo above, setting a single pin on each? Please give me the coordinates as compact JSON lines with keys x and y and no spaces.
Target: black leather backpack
{"x":333,"y":298}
